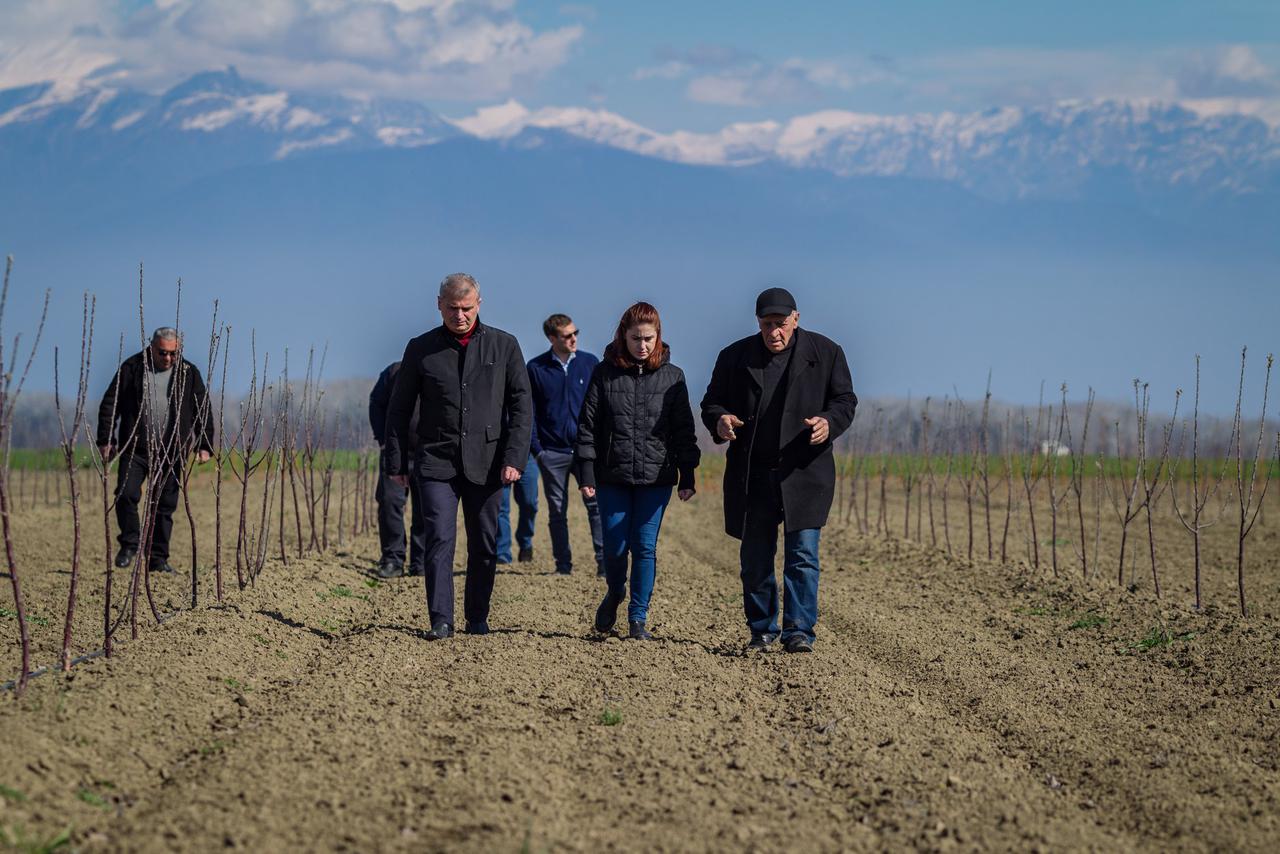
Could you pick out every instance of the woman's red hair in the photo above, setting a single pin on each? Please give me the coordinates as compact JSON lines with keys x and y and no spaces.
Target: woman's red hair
{"x":639,"y":313}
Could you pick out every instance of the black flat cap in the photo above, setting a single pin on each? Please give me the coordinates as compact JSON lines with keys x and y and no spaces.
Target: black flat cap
{"x":775,"y":301}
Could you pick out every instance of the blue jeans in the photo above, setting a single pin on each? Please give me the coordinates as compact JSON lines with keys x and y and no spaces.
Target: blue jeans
{"x":526,"y":489}
{"x":630,"y":517}
{"x":799,"y":577}
{"x":555,"y":467}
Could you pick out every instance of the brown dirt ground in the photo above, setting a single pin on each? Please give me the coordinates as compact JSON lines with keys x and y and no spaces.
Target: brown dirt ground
{"x":949,"y":704}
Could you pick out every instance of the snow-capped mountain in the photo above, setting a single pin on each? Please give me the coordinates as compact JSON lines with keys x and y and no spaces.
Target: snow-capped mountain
{"x":1063,"y":151}
{"x":1052,"y":152}
{"x":223,"y":102}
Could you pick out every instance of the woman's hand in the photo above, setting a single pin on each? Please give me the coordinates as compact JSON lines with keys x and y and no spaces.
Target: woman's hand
{"x":686,"y":494}
{"x":588,"y":492}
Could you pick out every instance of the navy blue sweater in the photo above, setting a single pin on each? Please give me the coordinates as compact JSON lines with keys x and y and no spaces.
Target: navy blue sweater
{"x":557,"y":400}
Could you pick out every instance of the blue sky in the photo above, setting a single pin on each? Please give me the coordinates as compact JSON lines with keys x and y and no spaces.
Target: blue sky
{"x":673,"y":65}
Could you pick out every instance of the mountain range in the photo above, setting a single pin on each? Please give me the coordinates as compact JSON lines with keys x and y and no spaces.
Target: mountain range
{"x":1079,"y":242}
{"x":1061,"y":151}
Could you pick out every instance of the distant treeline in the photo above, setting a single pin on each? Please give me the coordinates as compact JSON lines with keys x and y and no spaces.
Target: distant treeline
{"x":893,"y":426}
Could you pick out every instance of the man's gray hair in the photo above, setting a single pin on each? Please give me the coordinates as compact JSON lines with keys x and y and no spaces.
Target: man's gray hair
{"x":458,"y":284}
{"x":166,"y":333}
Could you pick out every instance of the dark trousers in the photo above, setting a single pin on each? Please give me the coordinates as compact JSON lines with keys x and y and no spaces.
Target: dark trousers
{"x":391,"y":498}
{"x":440,"y":499}
{"x":526,"y":494}
{"x":800,"y":568}
{"x":555,"y":467}
{"x":134,"y":472}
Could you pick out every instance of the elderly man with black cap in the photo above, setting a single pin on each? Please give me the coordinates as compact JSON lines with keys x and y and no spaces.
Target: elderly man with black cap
{"x":780,"y":398}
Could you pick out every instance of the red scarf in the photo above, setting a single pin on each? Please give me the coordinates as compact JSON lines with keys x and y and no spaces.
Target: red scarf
{"x":464,"y":340}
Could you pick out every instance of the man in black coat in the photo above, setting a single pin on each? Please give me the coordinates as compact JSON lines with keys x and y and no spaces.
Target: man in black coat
{"x":475,"y":417}
{"x":390,"y":495}
{"x":155,"y":412}
{"x":780,"y":398}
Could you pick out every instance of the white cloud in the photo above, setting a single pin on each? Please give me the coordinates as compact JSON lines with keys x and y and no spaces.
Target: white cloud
{"x":451,"y":49}
{"x":720,"y":74}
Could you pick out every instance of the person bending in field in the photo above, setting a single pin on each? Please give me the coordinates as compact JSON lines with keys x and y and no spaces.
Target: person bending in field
{"x":558,"y":380}
{"x":468,"y":382}
{"x":390,"y":495}
{"x":780,"y":398}
{"x":636,"y":441}
{"x":153,"y":415}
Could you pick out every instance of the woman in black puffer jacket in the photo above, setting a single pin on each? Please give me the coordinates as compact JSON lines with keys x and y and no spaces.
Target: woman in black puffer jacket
{"x":635,"y":442}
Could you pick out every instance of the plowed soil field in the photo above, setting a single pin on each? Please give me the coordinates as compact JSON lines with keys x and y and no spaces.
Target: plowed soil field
{"x":948,"y":704}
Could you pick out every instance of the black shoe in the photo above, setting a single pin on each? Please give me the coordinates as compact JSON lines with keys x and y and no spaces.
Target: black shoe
{"x":416,"y":572}
{"x":564,"y":570}
{"x":440,"y":630}
{"x":762,"y":640}
{"x":525,"y":555}
{"x":125,"y":556}
{"x":390,"y":568}
{"x":797,"y":643}
{"x":638,"y":631}
{"x":607,"y":613}
{"x":481,"y":628}
{"x":162,"y":566}
{"x":600,"y":573}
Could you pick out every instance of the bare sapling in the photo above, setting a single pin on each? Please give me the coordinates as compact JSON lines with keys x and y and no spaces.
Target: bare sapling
{"x":1246,"y":493}
{"x":1154,"y":483}
{"x":101,"y":458}
{"x":926,"y":451}
{"x":949,"y":431}
{"x":252,"y":417}
{"x":204,"y":415}
{"x":984,"y":461}
{"x":220,"y":460}
{"x":969,"y":472}
{"x":907,"y":475}
{"x":1056,"y":497}
{"x":68,"y":445}
{"x":1130,"y":489}
{"x":9,"y":393}
{"x":1079,"y":458}
{"x":271,"y":467}
{"x":1007,"y":451}
{"x":1203,"y":487}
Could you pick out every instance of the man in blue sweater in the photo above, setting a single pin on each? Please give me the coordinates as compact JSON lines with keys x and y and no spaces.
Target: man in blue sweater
{"x":558,"y":380}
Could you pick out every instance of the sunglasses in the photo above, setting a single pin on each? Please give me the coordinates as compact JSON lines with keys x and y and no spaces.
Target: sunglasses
{"x":166,"y":352}
{"x":565,"y":336}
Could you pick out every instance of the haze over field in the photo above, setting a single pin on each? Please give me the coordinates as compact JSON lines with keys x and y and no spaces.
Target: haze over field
{"x":1108,"y":217}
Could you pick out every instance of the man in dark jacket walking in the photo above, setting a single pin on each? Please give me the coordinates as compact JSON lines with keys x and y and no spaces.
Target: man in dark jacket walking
{"x":558,"y":381}
{"x":154,"y":413}
{"x":469,"y":384}
{"x":390,"y":495}
{"x":780,"y":398}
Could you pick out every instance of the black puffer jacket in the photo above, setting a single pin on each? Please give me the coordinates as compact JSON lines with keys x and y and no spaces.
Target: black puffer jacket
{"x":636,"y":426}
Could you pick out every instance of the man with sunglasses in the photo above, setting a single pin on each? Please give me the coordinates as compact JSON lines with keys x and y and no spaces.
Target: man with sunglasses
{"x":153,"y":415}
{"x":558,"y":380}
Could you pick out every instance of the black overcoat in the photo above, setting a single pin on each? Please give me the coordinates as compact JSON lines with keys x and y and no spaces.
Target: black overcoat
{"x":121,"y":407}
{"x":471,"y":424}
{"x":818,"y":384}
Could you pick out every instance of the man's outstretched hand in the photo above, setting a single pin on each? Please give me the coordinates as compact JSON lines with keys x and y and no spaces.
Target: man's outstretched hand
{"x":726,"y":426}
